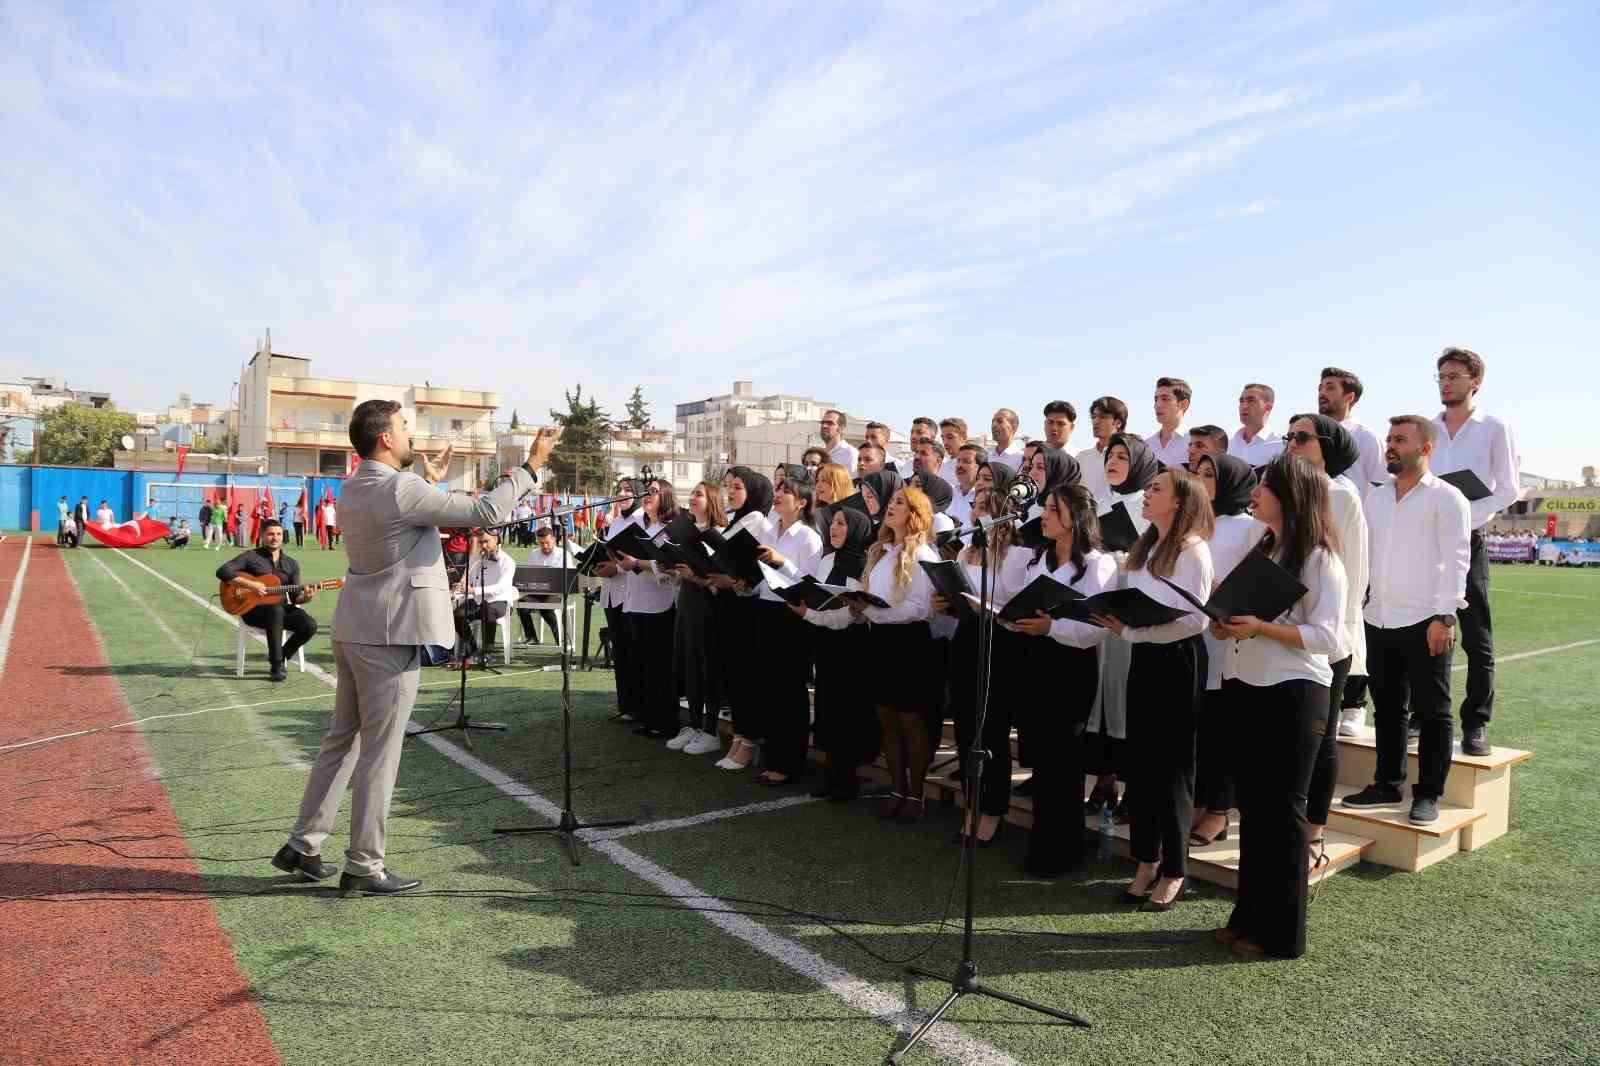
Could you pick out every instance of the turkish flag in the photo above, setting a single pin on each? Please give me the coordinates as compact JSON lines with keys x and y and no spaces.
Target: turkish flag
{"x":229,"y":526}
{"x":262,"y":511}
{"x":183,"y":453}
{"x":322,"y":525}
{"x":1550,"y":526}
{"x":355,"y":460}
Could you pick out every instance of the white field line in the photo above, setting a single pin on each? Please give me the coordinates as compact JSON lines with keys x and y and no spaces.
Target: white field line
{"x":286,"y":754}
{"x":853,"y":990}
{"x":226,"y":707}
{"x":8,"y":621}
{"x":698,"y":819}
{"x":1503,"y":659}
{"x":1552,"y":595}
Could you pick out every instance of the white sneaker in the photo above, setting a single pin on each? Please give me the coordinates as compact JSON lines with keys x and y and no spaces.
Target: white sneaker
{"x":1352,"y":721}
{"x":683,"y":702}
{"x":686,"y":734}
{"x":703,"y":743}
{"x":725,"y":715}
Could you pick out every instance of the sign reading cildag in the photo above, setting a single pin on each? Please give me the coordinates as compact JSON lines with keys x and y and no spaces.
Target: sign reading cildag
{"x":1569,"y":505}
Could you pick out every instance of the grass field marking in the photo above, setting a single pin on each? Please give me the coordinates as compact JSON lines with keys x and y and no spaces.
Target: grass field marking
{"x":1552,"y":595}
{"x":8,"y":621}
{"x":854,"y":991}
{"x":311,"y":668}
{"x":280,"y":747}
{"x":1535,"y":652}
{"x":700,"y":819}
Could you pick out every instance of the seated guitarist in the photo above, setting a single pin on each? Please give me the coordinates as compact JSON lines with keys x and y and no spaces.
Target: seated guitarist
{"x":273,"y":617}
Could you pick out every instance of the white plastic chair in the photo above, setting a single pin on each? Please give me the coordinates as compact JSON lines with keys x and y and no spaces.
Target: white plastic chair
{"x":539,"y":605}
{"x":238,"y":659}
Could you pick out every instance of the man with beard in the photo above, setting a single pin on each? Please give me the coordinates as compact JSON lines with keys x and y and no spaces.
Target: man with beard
{"x":1468,"y":439}
{"x":395,"y":603}
{"x":1338,"y":392}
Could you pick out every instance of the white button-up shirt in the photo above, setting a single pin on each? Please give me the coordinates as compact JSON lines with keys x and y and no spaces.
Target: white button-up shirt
{"x":1176,"y":451}
{"x":492,"y":578}
{"x":1350,"y":520}
{"x":1258,"y":451}
{"x":1417,"y":553}
{"x":844,"y":453}
{"x":1232,"y":538}
{"x":800,"y":545}
{"x":1482,"y":445}
{"x":1092,"y":472}
{"x":649,"y":591}
{"x":1318,"y":615}
{"x":1011,"y":455}
{"x":1370,"y":467}
{"x":1099,"y":574}
{"x":1193,"y":573}
{"x":914,"y":605}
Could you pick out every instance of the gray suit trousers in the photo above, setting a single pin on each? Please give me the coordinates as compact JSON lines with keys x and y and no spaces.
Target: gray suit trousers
{"x":377,"y":688}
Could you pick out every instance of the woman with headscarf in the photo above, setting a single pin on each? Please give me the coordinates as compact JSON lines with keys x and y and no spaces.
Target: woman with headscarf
{"x":614,"y":595}
{"x":1228,"y":481}
{"x":940,"y":497}
{"x":877,"y":489}
{"x":1328,"y":446}
{"x":846,"y":727}
{"x":1007,"y":563}
{"x":1130,"y":467}
{"x":747,"y":492}
{"x":790,"y":546}
{"x":697,"y":651}
{"x":907,"y":688}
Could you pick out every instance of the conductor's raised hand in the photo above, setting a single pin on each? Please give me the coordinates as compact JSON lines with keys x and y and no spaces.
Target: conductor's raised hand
{"x":544,"y":442}
{"x":438,"y":468}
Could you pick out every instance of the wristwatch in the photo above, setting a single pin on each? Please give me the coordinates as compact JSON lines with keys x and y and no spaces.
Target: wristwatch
{"x":1446,"y":620}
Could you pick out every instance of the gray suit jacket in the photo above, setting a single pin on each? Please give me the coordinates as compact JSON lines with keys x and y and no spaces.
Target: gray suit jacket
{"x":396,"y":591}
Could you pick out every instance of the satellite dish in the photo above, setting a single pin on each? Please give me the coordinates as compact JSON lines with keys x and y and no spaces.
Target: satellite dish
{"x":127,"y":442}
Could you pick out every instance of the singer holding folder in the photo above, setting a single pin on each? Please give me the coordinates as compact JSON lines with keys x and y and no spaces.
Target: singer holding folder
{"x":790,"y":546}
{"x":748,"y":493}
{"x":1060,"y":679}
{"x":1277,"y":675}
{"x":1166,"y":681}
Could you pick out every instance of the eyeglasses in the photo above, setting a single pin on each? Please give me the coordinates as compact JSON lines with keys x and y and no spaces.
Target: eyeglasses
{"x":1302,"y":438}
{"x":1451,"y":379}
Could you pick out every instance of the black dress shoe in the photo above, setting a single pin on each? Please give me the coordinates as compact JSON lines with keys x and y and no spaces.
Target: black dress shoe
{"x":278,"y":673}
{"x":1475,"y":741}
{"x":382,"y":883}
{"x":310,"y":867}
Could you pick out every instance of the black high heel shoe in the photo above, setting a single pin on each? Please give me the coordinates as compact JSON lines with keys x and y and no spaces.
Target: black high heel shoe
{"x":1096,"y":800}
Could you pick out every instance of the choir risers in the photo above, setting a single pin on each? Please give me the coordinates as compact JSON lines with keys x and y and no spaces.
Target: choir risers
{"x":1479,"y":782}
{"x":1398,"y":843}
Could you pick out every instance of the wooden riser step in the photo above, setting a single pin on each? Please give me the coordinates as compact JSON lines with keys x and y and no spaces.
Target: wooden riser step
{"x":1396,"y":842}
{"x":1481,"y":782}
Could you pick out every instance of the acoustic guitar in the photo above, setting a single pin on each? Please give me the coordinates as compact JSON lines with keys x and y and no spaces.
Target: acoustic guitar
{"x":237,"y":600}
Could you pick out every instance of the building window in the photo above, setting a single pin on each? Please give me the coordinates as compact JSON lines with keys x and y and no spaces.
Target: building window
{"x":331,"y":462}
{"x":457,"y":425}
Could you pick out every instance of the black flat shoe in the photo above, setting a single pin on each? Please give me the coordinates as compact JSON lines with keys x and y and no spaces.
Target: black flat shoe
{"x":382,"y":883}
{"x":310,"y":867}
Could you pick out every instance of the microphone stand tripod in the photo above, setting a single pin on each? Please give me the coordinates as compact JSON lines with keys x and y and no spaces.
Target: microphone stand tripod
{"x":965,"y":981}
{"x":463,"y":722}
{"x":569,"y":825}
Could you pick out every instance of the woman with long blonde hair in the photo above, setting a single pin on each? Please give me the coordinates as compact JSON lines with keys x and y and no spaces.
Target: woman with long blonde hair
{"x":1166,"y":683}
{"x":906,"y":691}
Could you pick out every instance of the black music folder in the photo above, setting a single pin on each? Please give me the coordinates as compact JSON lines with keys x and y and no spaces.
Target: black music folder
{"x":1257,"y":586}
{"x":1131,"y":607}
{"x":1044,"y":593}
{"x":806,"y":591}
{"x":591,"y":557}
{"x":1470,"y":484}
{"x":950,"y":581}
{"x":844,"y":593}
{"x":1117,"y":532}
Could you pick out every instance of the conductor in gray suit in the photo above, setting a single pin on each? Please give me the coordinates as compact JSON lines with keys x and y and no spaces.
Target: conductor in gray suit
{"x":395,"y":599}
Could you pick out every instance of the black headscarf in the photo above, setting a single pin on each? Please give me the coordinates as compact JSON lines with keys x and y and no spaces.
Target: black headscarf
{"x":1001,"y":475}
{"x":1339,"y":449}
{"x":636,"y":487}
{"x":1060,"y":470}
{"x":850,"y":560}
{"x":937,"y":489}
{"x":1143,"y":466}
{"x":1235,"y":479}
{"x":884,"y":484}
{"x":796,"y":473}
{"x":757,"y":492}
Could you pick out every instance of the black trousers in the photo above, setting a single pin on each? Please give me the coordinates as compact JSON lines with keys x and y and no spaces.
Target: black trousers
{"x":1355,"y":692}
{"x":741,"y":672}
{"x":1165,"y":685}
{"x":846,"y":725}
{"x":1398,"y":665}
{"x":617,"y":630}
{"x":1277,"y":730}
{"x":650,"y":664}
{"x":1005,"y":659}
{"x":468,"y":623}
{"x":1060,"y":685}
{"x":299,"y":534}
{"x":1325,"y":772}
{"x":1213,"y":771}
{"x":525,"y":616}
{"x":277,"y":619}
{"x":1477,"y":639}
{"x":784,"y":718}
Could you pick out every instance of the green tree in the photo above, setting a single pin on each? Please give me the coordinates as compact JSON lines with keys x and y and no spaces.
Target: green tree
{"x":579,"y":462}
{"x":638,"y":411}
{"x":514,"y":423}
{"x":77,"y":435}
{"x":221,"y":444}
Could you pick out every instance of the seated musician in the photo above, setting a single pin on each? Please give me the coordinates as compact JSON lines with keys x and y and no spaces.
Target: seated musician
{"x":278,"y":616}
{"x":488,"y":588}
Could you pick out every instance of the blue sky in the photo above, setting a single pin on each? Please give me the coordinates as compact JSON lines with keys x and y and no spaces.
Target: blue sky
{"x":907,"y":207}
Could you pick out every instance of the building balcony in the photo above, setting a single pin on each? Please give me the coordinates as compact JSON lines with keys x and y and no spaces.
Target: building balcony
{"x":320,"y":388}
{"x":468,"y":399}
{"x":324,"y":436}
{"x":465,"y":443}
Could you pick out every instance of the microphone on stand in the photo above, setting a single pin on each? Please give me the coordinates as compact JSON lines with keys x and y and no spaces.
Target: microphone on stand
{"x":1022,"y":491}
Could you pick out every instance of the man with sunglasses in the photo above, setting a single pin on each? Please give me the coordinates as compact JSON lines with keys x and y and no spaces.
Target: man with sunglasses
{"x":1468,"y":439}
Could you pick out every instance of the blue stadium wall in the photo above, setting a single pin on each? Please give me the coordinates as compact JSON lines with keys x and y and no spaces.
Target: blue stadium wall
{"x":28,"y":494}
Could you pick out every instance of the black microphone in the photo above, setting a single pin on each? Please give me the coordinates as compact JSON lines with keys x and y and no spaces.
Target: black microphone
{"x":1023,"y":490}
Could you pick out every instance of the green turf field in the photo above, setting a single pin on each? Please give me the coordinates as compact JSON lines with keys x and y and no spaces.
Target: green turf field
{"x":514,"y":956}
